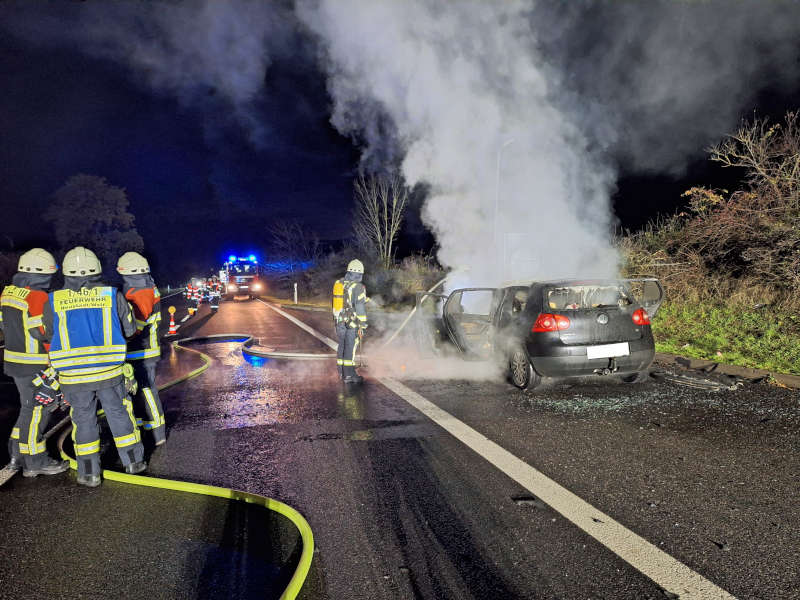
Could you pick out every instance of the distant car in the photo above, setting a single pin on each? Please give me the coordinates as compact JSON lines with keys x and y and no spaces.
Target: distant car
{"x":548,"y":329}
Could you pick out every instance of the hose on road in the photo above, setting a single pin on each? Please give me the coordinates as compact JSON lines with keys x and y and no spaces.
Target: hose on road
{"x":306,"y":535}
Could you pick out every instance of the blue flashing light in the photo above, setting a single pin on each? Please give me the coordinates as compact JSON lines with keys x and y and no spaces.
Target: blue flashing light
{"x":231,"y":258}
{"x":253,"y":257}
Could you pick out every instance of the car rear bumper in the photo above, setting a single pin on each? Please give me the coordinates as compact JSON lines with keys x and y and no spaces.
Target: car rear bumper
{"x":571,"y":361}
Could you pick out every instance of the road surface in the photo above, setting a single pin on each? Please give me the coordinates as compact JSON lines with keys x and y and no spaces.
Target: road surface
{"x":703,"y":482}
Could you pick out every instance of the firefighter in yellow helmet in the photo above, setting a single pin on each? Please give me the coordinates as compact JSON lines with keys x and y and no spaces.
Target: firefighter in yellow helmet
{"x":21,"y":306}
{"x":144,"y":349}
{"x":86,"y":324}
{"x":350,"y":318}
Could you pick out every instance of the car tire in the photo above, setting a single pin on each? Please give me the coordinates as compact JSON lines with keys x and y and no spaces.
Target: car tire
{"x":521,"y":371}
{"x":638,"y":377}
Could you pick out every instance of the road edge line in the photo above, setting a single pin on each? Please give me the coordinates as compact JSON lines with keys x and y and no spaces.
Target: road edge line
{"x":308,"y":329}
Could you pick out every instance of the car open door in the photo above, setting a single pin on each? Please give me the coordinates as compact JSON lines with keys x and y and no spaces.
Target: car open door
{"x":468,"y":317}
{"x":648,"y":292}
{"x":428,"y":326}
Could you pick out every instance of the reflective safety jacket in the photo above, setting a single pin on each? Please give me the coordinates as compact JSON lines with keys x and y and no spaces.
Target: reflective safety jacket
{"x":146,"y":304}
{"x":349,"y":299}
{"x":20,"y":311}
{"x":88,"y":342}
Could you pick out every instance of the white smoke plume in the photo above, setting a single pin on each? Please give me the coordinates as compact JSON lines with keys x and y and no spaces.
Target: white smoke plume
{"x":200,"y":52}
{"x":657,"y":82}
{"x":518,"y":114}
{"x":513,"y":180}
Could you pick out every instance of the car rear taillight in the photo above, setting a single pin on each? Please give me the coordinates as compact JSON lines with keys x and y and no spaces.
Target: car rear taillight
{"x":549,"y":322}
{"x":640,"y":317}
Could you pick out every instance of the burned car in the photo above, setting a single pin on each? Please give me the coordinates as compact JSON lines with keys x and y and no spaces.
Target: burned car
{"x":547,"y":329}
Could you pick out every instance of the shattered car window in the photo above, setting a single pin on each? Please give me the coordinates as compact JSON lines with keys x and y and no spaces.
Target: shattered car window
{"x":477,"y":302}
{"x":587,"y":296}
{"x":519,"y":301}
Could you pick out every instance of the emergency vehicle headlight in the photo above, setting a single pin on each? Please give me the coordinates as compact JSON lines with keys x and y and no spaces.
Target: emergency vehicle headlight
{"x":256,"y":286}
{"x":232,"y":288}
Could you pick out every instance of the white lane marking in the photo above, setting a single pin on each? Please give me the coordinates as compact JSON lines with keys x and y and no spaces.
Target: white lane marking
{"x":323,"y":338}
{"x":667,"y":572}
{"x":184,"y":319}
{"x":6,"y":474}
{"x":663,"y":569}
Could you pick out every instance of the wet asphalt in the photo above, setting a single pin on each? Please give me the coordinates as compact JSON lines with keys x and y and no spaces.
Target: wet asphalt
{"x":401,"y":509}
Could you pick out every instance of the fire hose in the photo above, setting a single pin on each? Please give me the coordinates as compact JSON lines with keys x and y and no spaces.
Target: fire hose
{"x":269,"y":353}
{"x":306,"y":535}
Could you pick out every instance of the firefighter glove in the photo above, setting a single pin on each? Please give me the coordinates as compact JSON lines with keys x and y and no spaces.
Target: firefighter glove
{"x":49,"y":398}
{"x":131,"y":386}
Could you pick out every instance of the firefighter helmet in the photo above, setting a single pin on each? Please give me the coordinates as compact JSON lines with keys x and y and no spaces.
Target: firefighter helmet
{"x":37,"y":261}
{"x":132,"y":263}
{"x":355,"y":266}
{"x":81,"y":261}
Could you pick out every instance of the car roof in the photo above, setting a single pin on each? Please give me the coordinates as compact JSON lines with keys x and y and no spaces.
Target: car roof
{"x":562,"y":282}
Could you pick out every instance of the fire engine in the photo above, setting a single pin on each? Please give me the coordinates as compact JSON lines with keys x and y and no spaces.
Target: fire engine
{"x":242,"y":276}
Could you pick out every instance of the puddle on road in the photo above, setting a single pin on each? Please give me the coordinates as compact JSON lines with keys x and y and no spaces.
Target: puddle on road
{"x":243,"y":391}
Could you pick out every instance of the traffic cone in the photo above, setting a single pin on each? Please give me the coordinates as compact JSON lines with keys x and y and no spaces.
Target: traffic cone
{"x":173,"y":329}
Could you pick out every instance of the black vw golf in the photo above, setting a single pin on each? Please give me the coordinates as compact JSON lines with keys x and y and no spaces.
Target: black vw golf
{"x":548,"y":328}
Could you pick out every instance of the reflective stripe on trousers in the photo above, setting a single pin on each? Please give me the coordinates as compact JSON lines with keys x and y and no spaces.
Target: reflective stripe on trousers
{"x":86,"y":431}
{"x":346,"y":351}
{"x":147,"y":402}
{"x":27,"y":440}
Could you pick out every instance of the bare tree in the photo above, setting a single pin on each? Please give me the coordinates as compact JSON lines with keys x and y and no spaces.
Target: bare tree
{"x":770,"y":155}
{"x":380,"y":206}
{"x":294,"y":243}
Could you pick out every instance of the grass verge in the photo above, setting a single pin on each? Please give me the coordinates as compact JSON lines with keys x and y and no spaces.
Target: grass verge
{"x":763,"y":338}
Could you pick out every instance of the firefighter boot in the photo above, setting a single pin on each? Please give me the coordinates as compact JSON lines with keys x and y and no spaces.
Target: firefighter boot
{"x":49,"y":466}
{"x":89,"y":480}
{"x":135,"y":467}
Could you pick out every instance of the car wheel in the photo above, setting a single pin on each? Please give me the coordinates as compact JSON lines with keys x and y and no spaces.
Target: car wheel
{"x":521,"y":371}
{"x":636,"y":377}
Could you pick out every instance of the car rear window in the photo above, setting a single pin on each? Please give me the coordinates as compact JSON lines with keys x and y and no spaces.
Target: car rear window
{"x":577,"y":297}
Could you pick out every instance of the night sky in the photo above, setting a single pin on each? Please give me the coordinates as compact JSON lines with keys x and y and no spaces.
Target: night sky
{"x":199,"y":188}
{"x":192,"y":178}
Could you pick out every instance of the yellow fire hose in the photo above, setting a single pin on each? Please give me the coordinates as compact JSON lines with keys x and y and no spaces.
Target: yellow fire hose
{"x":301,"y":572}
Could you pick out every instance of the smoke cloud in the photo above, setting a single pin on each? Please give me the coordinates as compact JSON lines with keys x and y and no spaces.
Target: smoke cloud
{"x":519,"y":115}
{"x":513,"y":180}
{"x":654,"y":85}
{"x":205,"y":53}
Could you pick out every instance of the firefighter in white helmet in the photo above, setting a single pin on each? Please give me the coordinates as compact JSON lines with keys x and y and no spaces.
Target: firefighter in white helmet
{"x":144,"y":348}
{"x":21,"y":306}
{"x":86,"y":324}
{"x":350,"y":318}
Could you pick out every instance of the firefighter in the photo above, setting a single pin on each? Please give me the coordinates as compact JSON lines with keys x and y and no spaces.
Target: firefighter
{"x":196,"y":295}
{"x":350,"y":318}
{"x":86,"y":324}
{"x":215,"y":293}
{"x":21,"y":305}
{"x":144,"y":349}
